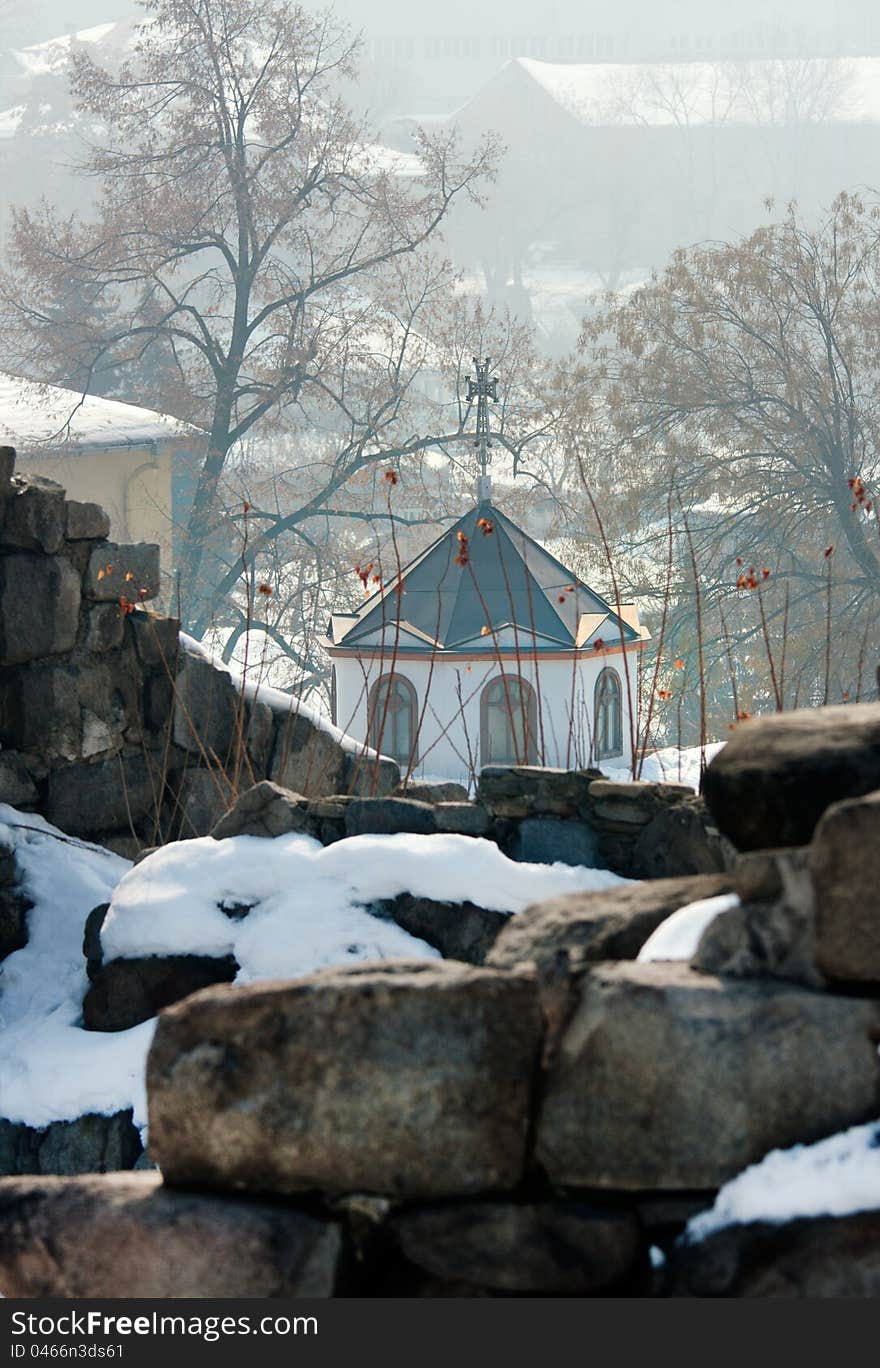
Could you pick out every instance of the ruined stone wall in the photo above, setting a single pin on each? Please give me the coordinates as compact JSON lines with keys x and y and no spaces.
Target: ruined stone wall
{"x":108,"y":726}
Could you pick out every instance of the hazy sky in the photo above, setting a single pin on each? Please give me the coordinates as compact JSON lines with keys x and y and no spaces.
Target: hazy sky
{"x":23,"y":21}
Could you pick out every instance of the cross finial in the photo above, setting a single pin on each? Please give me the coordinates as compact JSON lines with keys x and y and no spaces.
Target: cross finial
{"x":482,"y":389}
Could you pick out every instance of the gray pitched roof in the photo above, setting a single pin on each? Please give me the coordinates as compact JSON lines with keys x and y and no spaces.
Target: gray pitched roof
{"x":509,"y":581}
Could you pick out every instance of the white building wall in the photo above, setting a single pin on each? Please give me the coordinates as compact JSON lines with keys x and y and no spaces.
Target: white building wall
{"x":449,"y":739}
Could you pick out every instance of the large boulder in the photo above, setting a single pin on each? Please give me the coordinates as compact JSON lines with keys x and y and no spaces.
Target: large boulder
{"x":125,"y":1235}
{"x":124,"y":992}
{"x":402,"y":1078}
{"x":39,"y":607}
{"x":819,"y":1256}
{"x":612,"y":924}
{"x":842,"y":861}
{"x":562,"y":1248}
{"x":776,"y":776}
{"x":665,"y":1078}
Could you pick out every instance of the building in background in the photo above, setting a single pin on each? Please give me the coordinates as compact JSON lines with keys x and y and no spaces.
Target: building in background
{"x":137,"y":464}
{"x":487,"y":650}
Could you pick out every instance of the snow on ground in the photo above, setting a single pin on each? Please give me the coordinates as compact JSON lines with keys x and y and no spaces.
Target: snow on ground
{"x":678,"y":936}
{"x":51,"y":1069}
{"x":669,"y":765}
{"x":308,"y":900}
{"x":834,"y":1177}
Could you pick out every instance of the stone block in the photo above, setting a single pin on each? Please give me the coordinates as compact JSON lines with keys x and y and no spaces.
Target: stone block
{"x":584,"y":928}
{"x":679,"y":839}
{"x":812,"y":1257}
{"x":403,"y":1078}
{"x":550,"y":840}
{"x":125,"y":992}
{"x":17,"y":786}
{"x":105,"y":795}
{"x":117,"y":572}
{"x":156,"y":639}
{"x":14,"y":905}
{"x":460,"y":931}
{"x":206,"y":710}
{"x":7,"y":470}
{"x":462,"y":819}
{"x":843,"y":867}
{"x":39,"y":607}
{"x":761,"y":940}
{"x":128,"y":1236}
{"x":369,"y":776}
{"x":85,"y":521}
{"x":667,"y":1079}
{"x":777,"y":774}
{"x":87,"y":1144}
{"x":265,"y":810}
{"x":556,"y":1248}
{"x":387,"y":816}
{"x":424,"y":792}
{"x":534,"y":790}
{"x":34,"y":515}
{"x":105,"y":627}
{"x":306,"y":759}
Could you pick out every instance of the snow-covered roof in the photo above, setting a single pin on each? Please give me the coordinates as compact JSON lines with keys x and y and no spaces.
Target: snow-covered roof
{"x":508,"y":585}
{"x":35,"y":416}
{"x":768,"y":91}
{"x":53,"y":55}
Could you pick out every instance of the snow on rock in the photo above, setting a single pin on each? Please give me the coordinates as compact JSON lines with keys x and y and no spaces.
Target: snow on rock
{"x":277,"y":699}
{"x":677,"y":938}
{"x":834,"y":1177}
{"x":307,"y":901}
{"x":51,"y":1069}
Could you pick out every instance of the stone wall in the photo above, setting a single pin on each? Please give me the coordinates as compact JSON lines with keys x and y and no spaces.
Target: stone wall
{"x":109,"y":725}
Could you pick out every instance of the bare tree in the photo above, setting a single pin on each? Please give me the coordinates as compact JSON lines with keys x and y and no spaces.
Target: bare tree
{"x":248,"y":233}
{"x":748,"y":374}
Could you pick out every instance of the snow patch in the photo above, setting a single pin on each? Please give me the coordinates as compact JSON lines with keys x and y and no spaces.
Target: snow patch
{"x":670,"y":765}
{"x":678,"y":936}
{"x":50,"y":1068}
{"x":307,"y":901}
{"x":834,"y":1177}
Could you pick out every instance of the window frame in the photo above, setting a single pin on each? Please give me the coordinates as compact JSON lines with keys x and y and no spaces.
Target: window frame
{"x":504,"y":681}
{"x":374,"y":714}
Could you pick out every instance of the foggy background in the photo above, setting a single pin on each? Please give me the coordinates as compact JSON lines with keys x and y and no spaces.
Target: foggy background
{"x":712,"y":115}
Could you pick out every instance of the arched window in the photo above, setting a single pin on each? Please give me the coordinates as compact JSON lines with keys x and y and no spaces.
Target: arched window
{"x":508,"y":723}
{"x":608,"y":729}
{"x":394,"y":718}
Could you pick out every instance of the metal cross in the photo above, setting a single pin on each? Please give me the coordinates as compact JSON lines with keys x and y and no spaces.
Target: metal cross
{"x":482,"y":389}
